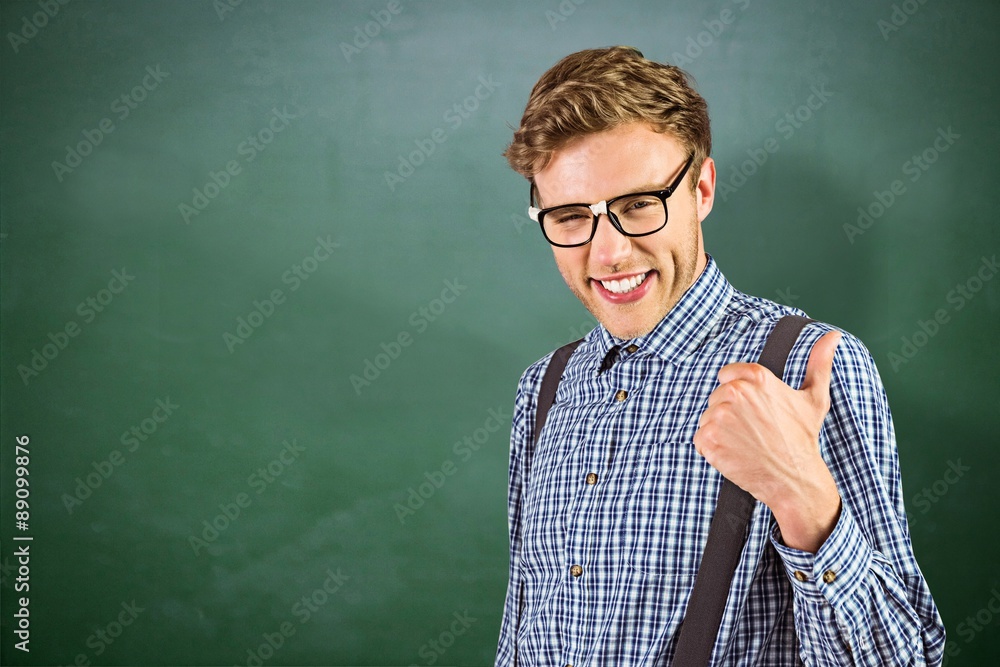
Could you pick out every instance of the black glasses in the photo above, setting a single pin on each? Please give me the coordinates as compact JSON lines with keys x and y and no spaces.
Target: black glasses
{"x":634,"y":214}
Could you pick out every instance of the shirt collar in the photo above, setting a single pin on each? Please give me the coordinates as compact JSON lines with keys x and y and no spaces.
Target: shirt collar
{"x":689,"y":322}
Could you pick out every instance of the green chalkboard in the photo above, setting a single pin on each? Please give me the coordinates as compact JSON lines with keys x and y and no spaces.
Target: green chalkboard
{"x":268,"y":286}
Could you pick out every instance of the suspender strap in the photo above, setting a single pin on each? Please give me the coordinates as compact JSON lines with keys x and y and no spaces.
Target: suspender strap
{"x":728,"y":531}
{"x":550,"y":383}
{"x":546,"y":397}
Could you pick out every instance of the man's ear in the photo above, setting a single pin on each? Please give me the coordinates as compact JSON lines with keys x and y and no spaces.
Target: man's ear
{"x":705,"y":189}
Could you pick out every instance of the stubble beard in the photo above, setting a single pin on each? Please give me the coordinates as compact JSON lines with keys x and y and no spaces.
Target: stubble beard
{"x":684,"y":267}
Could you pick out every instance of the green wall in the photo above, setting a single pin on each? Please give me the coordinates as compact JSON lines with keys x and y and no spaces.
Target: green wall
{"x":147,"y":386}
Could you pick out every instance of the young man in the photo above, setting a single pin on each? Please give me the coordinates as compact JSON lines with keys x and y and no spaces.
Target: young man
{"x":610,"y":509}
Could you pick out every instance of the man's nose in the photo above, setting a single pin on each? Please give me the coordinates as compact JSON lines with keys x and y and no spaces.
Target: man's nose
{"x":609,"y":246}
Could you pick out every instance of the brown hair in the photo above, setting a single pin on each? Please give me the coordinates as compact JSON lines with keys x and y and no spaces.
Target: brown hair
{"x":600,"y":89}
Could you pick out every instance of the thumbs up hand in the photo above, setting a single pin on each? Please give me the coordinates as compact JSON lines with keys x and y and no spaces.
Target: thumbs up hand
{"x":764,"y":436}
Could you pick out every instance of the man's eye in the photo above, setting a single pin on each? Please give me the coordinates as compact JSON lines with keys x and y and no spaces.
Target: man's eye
{"x":570,"y":217}
{"x":640,"y":204}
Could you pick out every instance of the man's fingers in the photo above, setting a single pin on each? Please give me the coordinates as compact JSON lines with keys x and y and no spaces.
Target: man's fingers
{"x":819,"y":370}
{"x":742,"y":371}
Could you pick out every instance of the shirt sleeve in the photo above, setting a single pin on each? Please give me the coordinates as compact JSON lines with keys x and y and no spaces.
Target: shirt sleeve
{"x":521,"y":432}
{"x":861,"y":599}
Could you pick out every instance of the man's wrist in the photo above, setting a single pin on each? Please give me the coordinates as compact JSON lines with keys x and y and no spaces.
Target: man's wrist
{"x":807,"y":513}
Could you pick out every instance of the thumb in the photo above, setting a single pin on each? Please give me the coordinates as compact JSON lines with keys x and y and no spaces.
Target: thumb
{"x":820,"y":367}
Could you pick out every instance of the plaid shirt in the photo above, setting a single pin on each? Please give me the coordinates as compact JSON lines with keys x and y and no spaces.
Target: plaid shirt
{"x":608,"y":518}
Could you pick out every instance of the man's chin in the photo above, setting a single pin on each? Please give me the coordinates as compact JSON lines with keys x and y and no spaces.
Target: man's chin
{"x":624,"y":328}
{"x":624,"y":321}
{"x":628,"y":334}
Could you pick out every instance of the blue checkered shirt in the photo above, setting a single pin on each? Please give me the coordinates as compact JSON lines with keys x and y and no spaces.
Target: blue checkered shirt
{"x":608,"y":517}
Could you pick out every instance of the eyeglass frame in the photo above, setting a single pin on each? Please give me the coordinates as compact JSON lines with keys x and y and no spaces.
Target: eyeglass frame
{"x":602,"y":208}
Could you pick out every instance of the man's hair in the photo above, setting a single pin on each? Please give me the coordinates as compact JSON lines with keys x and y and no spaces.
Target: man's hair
{"x":599,"y":89}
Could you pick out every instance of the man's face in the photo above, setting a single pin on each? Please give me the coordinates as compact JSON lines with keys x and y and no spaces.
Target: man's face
{"x":629,"y":158}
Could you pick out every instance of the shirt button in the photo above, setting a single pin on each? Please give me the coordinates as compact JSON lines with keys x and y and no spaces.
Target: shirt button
{"x":632,"y":349}
{"x":801,"y":576}
{"x":576,"y":570}
{"x":591,"y":478}
{"x":829,"y":577}
{"x":621,"y":395}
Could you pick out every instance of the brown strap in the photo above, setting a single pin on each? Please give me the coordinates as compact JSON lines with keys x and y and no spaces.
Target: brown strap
{"x":550,"y":384}
{"x":546,"y":397}
{"x":728,"y":531}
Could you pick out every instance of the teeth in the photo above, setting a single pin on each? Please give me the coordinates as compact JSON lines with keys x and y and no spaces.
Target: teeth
{"x":623,"y":286}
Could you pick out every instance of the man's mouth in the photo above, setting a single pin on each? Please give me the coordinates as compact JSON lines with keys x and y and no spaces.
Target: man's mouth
{"x":625,"y":285}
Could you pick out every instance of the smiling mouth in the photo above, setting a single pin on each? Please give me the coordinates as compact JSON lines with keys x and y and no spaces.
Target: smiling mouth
{"x":625,"y":285}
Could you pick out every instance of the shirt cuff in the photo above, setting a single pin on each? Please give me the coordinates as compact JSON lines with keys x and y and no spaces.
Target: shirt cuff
{"x":835,"y":572}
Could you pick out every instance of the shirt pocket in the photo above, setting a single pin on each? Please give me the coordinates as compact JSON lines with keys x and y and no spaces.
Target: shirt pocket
{"x":670,"y":506}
